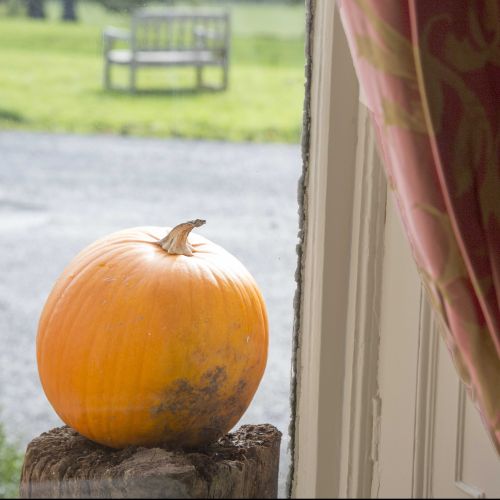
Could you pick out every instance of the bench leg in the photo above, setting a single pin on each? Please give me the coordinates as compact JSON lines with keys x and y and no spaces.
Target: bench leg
{"x":199,"y":76}
{"x":225,"y":76}
{"x":132,"y":78}
{"x":107,"y":75}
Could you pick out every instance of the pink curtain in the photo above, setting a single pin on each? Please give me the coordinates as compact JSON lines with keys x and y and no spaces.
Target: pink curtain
{"x":430,"y":71}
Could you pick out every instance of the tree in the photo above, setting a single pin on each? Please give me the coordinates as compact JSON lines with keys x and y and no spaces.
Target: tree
{"x":36,"y":9}
{"x":69,"y":10}
{"x":122,"y":5}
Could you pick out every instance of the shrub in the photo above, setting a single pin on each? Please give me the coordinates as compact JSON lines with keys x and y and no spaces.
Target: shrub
{"x":11,"y":460}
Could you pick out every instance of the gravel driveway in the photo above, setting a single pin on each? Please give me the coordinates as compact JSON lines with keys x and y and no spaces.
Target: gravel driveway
{"x":58,"y":193}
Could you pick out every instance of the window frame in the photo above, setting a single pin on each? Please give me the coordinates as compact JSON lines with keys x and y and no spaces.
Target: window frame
{"x":337,"y":332}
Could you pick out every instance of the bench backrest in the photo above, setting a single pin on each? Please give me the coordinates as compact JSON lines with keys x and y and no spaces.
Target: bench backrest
{"x":179,"y":30}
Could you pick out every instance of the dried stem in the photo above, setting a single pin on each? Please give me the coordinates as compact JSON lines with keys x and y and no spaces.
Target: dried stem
{"x":176,"y":242}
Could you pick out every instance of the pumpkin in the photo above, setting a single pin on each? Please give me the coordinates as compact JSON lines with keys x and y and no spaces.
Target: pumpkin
{"x":152,"y":341}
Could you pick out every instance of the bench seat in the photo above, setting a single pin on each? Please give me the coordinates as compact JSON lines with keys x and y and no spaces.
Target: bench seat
{"x":164,"y":58}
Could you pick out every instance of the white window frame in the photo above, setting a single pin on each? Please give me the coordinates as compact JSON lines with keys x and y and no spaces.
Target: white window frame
{"x":336,"y":410}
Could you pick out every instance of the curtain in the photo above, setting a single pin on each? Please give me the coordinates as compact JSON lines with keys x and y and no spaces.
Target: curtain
{"x":430,"y":73}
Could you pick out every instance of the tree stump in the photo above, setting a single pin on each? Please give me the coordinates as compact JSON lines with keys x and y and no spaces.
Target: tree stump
{"x":63,"y":464}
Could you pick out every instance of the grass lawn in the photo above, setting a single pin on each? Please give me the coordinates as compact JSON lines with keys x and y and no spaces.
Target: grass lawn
{"x":52,"y":72}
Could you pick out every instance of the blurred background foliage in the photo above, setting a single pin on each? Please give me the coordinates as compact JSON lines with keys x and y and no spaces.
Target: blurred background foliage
{"x":16,"y":7}
{"x":10,"y":467}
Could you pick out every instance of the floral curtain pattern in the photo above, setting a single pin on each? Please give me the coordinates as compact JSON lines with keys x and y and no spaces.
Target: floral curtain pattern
{"x":430,"y":72}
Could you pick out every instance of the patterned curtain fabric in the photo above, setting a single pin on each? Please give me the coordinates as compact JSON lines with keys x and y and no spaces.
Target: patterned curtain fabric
{"x":430,"y":72}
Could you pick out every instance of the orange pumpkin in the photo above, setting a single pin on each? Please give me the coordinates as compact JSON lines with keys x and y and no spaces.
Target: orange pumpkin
{"x":148,"y":341}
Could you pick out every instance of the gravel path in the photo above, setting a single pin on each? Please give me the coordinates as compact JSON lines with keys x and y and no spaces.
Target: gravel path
{"x":58,"y":193}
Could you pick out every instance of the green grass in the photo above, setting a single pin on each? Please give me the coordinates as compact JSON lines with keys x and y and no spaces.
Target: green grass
{"x":10,"y":467}
{"x":52,"y":72}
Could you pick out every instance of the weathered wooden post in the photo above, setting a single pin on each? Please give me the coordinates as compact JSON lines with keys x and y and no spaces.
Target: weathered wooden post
{"x":63,"y":464}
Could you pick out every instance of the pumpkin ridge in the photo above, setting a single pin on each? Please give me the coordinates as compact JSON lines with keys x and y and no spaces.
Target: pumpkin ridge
{"x":114,"y":340}
{"x":140,"y":382}
{"x":67,"y":324}
{"x":65,"y":285}
{"x":239,"y":286}
{"x":63,"y":342}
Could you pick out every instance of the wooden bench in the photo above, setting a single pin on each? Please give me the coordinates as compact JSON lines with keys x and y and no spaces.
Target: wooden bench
{"x":170,"y":38}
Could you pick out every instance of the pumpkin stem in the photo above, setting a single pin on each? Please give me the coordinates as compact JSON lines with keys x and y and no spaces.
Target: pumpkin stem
{"x":176,"y":242}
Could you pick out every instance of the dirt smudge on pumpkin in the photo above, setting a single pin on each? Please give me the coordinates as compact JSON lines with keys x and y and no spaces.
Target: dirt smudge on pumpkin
{"x":206,"y":414}
{"x":184,"y":398}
